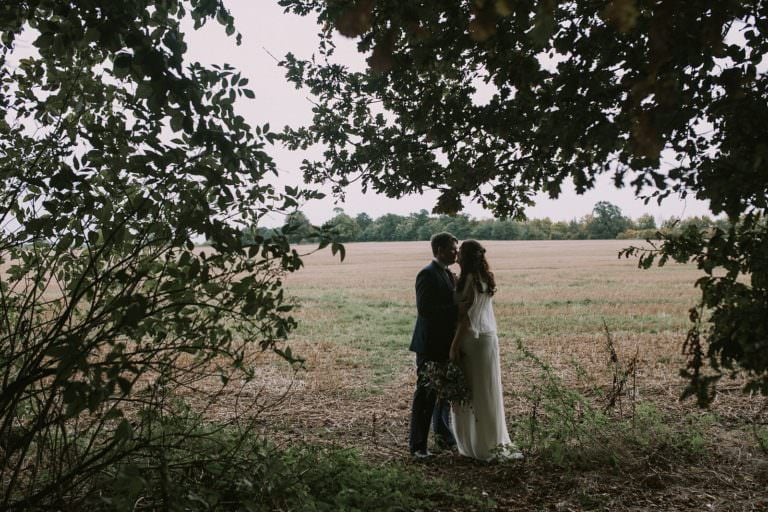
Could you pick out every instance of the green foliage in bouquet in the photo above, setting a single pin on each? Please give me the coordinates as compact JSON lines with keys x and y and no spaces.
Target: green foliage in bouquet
{"x":447,"y":379}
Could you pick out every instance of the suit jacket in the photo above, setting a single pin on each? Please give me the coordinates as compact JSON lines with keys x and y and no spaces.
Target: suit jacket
{"x":437,"y":313}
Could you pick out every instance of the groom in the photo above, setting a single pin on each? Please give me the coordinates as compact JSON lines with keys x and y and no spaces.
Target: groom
{"x":432,"y":336}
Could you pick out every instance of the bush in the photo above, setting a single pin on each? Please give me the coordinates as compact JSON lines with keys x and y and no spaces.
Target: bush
{"x":230,"y":469}
{"x":107,"y":305}
{"x":638,"y":234}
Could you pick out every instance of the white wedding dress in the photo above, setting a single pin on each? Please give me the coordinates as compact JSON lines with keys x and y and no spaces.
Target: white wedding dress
{"x":480,"y":427}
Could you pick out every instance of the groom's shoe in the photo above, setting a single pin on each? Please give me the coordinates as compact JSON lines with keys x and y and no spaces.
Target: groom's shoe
{"x":421,"y":454}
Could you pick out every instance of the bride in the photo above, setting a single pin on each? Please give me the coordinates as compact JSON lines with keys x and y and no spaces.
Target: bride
{"x":479,"y":427}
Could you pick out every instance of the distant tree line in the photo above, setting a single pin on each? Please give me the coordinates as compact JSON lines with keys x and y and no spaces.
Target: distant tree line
{"x":604,"y":223}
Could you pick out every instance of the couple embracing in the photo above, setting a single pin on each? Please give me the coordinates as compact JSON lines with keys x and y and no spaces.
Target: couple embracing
{"x":456,"y":321}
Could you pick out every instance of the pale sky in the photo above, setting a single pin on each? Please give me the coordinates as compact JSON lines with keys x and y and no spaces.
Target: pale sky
{"x":265,"y":28}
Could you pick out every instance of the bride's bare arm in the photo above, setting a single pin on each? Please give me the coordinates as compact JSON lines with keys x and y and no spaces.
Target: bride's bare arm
{"x":463,"y":321}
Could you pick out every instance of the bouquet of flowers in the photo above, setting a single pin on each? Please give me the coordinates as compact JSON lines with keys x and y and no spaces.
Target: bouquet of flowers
{"x":447,"y":379}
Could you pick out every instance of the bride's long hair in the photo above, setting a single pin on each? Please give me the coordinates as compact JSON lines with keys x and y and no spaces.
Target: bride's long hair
{"x":472,"y":261}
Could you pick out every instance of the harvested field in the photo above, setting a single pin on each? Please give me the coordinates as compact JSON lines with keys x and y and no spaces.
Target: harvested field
{"x":556,"y":299}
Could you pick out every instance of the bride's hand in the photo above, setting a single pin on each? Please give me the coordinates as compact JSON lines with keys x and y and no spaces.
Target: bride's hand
{"x":455,"y":354}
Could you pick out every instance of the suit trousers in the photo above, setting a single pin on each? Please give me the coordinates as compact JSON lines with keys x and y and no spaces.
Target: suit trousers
{"x":427,"y":408}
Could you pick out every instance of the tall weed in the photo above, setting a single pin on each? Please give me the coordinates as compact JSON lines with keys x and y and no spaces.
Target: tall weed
{"x":584,"y":429}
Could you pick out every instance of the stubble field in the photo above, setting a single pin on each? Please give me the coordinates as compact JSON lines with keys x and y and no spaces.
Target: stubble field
{"x":557,"y":305}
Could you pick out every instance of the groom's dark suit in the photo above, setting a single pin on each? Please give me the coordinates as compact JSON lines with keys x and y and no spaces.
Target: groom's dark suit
{"x":432,"y":337}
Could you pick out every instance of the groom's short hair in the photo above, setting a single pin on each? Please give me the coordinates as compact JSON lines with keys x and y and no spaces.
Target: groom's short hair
{"x":443,"y":239}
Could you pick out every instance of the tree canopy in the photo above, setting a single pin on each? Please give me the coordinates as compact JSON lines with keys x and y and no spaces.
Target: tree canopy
{"x":495,"y":101}
{"x":577,"y":89}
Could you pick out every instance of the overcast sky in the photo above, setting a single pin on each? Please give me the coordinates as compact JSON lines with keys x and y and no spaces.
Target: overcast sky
{"x":266,"y":29}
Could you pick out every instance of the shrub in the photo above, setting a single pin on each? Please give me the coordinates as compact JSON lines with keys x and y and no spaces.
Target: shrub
{"x":116,"y":157}
{"x":232,"y":469}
